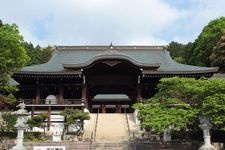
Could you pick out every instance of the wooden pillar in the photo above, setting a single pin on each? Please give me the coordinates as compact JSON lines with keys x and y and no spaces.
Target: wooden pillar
{"x":84,"y":92}
{"x":118,"y":107}
{"x":32,"y":110}
{"x":37,"y":99}
{"x":61,"y":97}
{"x":103,"y":108}
{"x":139,"y":96}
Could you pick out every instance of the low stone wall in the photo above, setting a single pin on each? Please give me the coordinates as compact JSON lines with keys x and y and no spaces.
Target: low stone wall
{"x":174,"y":145}
{"x":134,"y":145}
{"x":68,"y":145}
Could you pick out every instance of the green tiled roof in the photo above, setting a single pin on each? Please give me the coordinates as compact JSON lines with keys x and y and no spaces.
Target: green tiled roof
{"x":111,"y":96}
{"x":13,"y":82}
{"x":139,"y":55}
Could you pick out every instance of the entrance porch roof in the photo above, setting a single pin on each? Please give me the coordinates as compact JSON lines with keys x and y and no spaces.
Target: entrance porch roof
{"x":106,"y":97}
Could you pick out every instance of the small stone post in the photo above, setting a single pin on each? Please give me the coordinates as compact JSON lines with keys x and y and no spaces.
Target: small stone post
{"x":205,"y":125}
{"x":21,"y":126}
{"x":135,"y":114}
{"x":57,"y":134}
{"x":167,"y":134}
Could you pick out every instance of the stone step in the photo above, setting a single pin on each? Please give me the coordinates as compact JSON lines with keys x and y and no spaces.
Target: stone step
{"x":112,"y":146}
{"x":112,"y":127}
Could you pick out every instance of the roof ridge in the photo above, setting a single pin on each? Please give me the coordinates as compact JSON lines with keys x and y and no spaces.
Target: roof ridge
{"x":90,"y":47}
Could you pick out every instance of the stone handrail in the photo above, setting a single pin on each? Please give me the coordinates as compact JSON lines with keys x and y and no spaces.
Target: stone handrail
{"x":128,"y":126}
{"x":96,"y":125}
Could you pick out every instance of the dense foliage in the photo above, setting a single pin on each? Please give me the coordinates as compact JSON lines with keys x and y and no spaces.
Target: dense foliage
{"x":157,"y":116}
{"x":46,"y":54}
{"x":180,"y":52}
{"x":180,"y":101}
{"x":207,"y":50}
{"x":217,"y":57}
{"x":33,"y":52}
{"x":12,"y":57}
{"x":9,"y":121}
{"x":205,"y":42}
{"x":37,"y":121}
{"x":75,"y":118}
{"x":37,"y":54}
{"x":14,"y":54}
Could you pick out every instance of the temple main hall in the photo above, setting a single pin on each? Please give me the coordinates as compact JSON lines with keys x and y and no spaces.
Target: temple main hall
{"x":104,"y":79}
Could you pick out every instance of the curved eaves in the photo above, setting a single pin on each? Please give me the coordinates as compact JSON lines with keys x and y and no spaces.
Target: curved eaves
{"x":109,"y":57}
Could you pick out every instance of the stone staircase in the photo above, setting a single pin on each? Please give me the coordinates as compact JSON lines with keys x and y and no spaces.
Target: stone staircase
{"x":112,"y":127}
{"x":112,"y":146}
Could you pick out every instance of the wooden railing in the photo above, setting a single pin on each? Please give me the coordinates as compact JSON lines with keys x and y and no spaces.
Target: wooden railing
{"x":52,"y":102}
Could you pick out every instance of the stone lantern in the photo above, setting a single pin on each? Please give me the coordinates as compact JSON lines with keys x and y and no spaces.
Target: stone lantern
{"x":205,"y":125}
{"x":22,"y":116}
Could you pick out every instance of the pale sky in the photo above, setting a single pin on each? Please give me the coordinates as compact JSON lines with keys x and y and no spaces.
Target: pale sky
{"x":101,"y":22}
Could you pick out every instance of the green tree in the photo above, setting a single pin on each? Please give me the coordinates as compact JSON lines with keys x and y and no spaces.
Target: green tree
{"x":180,"y":101}
{"x":214,"y":106}
{"x":214,"y":102}
{"x":38,"y":54}
{"x":217,"y":57}
{"x":177,"y":51}
{"x":180,"y":52}
{"x":75,"y":118}
{"x":38,"y":121}
{"x":12,"y":57}
{"x":188,"y":52}
{"x":172,"y":105}
{"x":34,"y":53}
{"x":157,"y":115}
{"x":10,"y":121}
{"x":205,"y":42}
{"x":46,"y":54}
